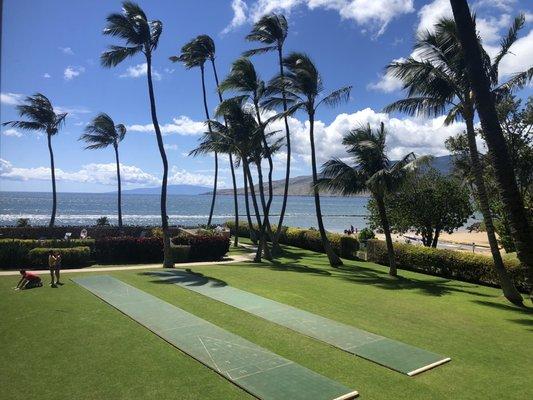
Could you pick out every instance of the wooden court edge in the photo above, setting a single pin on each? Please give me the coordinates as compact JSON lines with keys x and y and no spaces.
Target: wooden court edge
{"x":428,"y":367}
{"x":348,"y":396}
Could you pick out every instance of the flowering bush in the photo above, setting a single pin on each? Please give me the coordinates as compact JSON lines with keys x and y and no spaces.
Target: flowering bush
{"x":204,"y":247}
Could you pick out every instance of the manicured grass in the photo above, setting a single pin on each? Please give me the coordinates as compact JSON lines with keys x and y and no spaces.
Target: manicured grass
{"x":66,"y":343}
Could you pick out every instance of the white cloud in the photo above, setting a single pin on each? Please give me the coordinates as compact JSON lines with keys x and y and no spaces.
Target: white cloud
{"x":387,"y":83}
{"x":172,"y":147}
{"x":104,"y":174}
{"x":181,"y":176}
{"x":11,"y":99}
{"x":239,"y":15}
{"x":139,"y":70}
{"x":66,"y":50}
{"x":12,"y":132}
{"x":181,"y":125}
{"x":72,"y":72}
{"x":373,"y":14}
{"x":72,"y":111}
{"x":430,"y":13}
{"x":520,"y":57}
{"x":47,"y":75}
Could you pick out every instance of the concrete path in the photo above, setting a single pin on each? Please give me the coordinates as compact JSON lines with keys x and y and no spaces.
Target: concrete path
{"x":233,"y":259}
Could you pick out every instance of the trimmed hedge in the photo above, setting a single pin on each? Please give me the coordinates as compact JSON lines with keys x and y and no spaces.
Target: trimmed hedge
{"x":72,"y":257}
{"x":128,"y":250}
{"x":309,"y":239}
{"x":463,"y":266}
{"x":14,"y":253}
{"x":204,"y":247}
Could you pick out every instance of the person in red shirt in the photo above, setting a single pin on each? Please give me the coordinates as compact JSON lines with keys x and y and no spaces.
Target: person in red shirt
{"x":28,"y":280}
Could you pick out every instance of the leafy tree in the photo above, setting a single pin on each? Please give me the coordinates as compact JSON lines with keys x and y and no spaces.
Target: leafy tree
{"x":371,"y":171}
{"x":303,"y":87}
{"x":272,"y":30}
{"x":194,"y":54}
{"x":41,"y":117}
{"x":428,"y":203}
{"x":101,"y":133}
{"x":102,"y":221}
{"x":437,"y":84}
{"x":482,"y":82}
{"x":23,"y":222}
{"x":141,"y":36}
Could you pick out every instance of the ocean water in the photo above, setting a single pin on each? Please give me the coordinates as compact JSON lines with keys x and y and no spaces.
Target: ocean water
{"x":139,"y":209}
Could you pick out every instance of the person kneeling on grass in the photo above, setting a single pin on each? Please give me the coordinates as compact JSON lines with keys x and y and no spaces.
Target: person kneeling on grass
{"x":28,"y":280}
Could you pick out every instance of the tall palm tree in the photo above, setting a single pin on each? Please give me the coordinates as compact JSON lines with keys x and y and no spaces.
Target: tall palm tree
{"x":141,"y":36}
{"x":480,"y":81}
{"x":41,"y":117}
{"x":194,"y":54}
{"x":302,"y":84}
{"x":272,"y":30}
{"x":372,"y":171}
{"x":230,"y":155}
{"x":101,"y":133}
{"x":244,"y":80}
{"x":436,"y":85}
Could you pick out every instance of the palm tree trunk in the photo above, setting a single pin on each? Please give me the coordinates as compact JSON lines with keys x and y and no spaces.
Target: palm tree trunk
{"x":167,"y":256}
{"x":235,"y":199}
{"x":119,"y":193}
{"x":206,"y":108}
{"x":333,"y":258}
{"x":246,"y":202}
{"x":435,"y":238}
{"x":386,"y":229}
{"x":506,"y":283}
{"x":520,"y":227}
{"x":235,"y":202}
{"x":262,"y":230}
{"x":54,"y":192}
{"x":288,"y":164}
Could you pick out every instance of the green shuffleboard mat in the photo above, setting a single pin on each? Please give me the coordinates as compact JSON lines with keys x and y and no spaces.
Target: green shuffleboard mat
{"x":258,"y":371}
{"x":390,"y":353}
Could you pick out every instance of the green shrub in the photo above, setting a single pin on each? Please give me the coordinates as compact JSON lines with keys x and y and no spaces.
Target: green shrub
{"x":129,"y":250}
{"x":180,"y":253}
{"x":309,"y":239}
{"x":458,"y":265}
{"x":210,"y":247}
{"x":366,"y":234}
{"x":72,"y":257}
{"x":14,"y":253}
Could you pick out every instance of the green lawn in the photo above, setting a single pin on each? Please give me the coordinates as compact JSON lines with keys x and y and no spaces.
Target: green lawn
{"x":66,"y":343}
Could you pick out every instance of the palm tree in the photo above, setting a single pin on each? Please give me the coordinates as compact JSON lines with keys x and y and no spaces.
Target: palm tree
{"x":141,"y":36}
{"x":303,"y":86}
{"x":244,"y":80}
{"x":272,"y":30}
{"x":372,"y":171}
{"x":230,"y":155}
{"x":194,"y":54}
{"x":438,"y":84}
{"x":101,"y":133}
{"x":480,"y":81}
{"x":41,"y":117}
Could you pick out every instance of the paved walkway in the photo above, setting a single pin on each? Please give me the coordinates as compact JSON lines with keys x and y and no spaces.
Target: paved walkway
{"x":233,"y":259}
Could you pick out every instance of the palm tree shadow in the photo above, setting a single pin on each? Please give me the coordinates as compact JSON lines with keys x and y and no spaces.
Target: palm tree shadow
{"x":187,"y":277}
{"x":507,"y":307}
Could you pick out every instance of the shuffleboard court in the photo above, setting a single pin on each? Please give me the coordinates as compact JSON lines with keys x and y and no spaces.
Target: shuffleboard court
{"x":401,"y":357}
{"x":258,"y":371}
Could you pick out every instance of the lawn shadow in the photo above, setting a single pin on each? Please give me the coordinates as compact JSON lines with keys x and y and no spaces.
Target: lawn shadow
{"x":506,"y":307}
{"x":188,"y":277}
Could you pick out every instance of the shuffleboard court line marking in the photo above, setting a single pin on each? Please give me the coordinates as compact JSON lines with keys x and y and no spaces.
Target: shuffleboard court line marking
{"x":393,"y":354}
{"x":247,"y":387}
{"x":209,"y":354}
{"x":264,"y":370}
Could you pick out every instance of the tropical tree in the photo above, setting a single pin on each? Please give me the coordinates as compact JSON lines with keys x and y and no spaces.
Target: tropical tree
{"x":101,"y":133}
{"x":372,"y":171}
{"x":480,"y":80}
{"x":302,"y":85}
{"x":428,"y":203}
{"x":194,"y":54}
{"x":437,"y":83}
{"x":272,"y":30}
{"x":41,"y":117}
{"x":244,"y":80}
{"x":141,"y":36}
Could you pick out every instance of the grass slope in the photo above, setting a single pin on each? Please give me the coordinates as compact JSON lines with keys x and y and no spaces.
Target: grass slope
{"x":66,"y":343}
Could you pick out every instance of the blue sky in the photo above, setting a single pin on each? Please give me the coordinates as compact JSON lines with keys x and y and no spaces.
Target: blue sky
{"x":53,"y":47}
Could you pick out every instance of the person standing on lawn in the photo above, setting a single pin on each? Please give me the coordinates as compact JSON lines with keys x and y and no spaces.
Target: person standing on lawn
{"x":52,"y":265}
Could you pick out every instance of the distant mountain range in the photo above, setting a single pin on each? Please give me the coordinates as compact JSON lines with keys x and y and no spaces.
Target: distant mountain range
{"x":301,"y":185}
{"x":171,"y":189}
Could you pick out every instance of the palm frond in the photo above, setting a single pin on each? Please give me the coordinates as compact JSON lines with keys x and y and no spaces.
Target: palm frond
{"x":505,"y":44}
{"x":339,"y":177}
{"x":336,"y":97}
{"x":260,"y":50}
{"x":419,"y":105}
{"x":116,"y":54}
